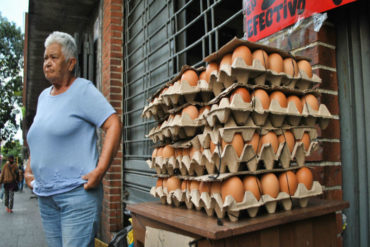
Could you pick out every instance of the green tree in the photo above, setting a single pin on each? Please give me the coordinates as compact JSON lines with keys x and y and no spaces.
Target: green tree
{"x":12,"y":148}
{"x":11,"y":64}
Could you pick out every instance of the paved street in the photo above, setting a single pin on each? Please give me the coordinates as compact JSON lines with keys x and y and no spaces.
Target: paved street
{"x":23,"y":227}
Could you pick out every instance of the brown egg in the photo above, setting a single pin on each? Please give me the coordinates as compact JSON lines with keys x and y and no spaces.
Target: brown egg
{"x":263,"y":97}
{"x":287,"y":137}
{"x":297,"y":102}
{"x":194,"y":185}
{"x":168,"y":151}
{"x":160,"y":152}
{"x":306,"y":141}
{"x":243,"y":92}
{"x":270,"y":185}
{"x":173,"y":183}
{"x":226,"y":60}
{"x":184,"y":185}
{"x":262,"y":56}
{"x":223,"y":144}
{"x":304,"y":175}
{"x":154,"y":154}
{"x":204,"y":108}
{"x":159,"y":182}
{"x":203,"y":76}
{"x":305,"y":66}
{"x":291,"y":67}
{"x":270,"y":137}
{"x":185,"y":152}
{"x":254,"y":141}
{"x":233,"y":186}
{"x":191,"y":77}
{"x":212,"y":147}
{"x":288,"y":182}
{"x":276,"y":63}
{"x":164,"y":183}
{"x":204,"y":187}
{"x":192,"y":151}
{"x":311,"y":101}
{"x":191,"y":110}
{"x":238,"y":143}
{"x":210,"y":68}
{"x":216,"y":187}
{"x":244,"y":53}
{"x":178,"y":152}
{"x":280,"y":97}
{"x":253,"y":184}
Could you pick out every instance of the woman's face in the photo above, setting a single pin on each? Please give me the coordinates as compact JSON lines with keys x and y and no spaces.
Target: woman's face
{"x":56,"y":68}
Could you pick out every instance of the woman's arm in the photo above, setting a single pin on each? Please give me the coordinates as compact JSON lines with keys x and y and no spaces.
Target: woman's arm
{"x":112,"y":129}
{"x":28,"y":175}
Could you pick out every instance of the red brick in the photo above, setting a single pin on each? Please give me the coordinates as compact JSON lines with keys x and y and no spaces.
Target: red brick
{"x":332,"y":131}
{"x":331,"y":102}
{"x":333,"y":194}
{"x":339,"y":241}
{"x":339,"y":223}
{"x":320,"y":55}
{"x":333,"y":176}
{"x":331,"y":151}
{"x":318,"y":173}
{"x":329,"y":79}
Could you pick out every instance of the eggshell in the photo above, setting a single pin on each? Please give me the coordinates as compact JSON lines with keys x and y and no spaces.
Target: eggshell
{"x":270,"y":137}
{"x":288,"y":182}
{"x":154,"y":154}
{"x":204,"y":108}
{"x":178,"y":152}
{"x":191,"y":110}
{"x":306,"y":67}
{"x":203,"y":76}
{"x":159,"y":182}
{"x":226,"y":60}
{"x":204,"y":187}
{"x":243,"y":92}
{"x":280,"y":97}
{"x":262,"y":56}
{"x":192,"y":151}
{"x":173,"y":183}
{"x":233,"y":186}
{"x":238,"y":143}
{"x":253,"y":184}
{"x":254,"y":141}
{"x":275,"y":62}
{"x":184,"y":185}
{"x":216,"y":187}
{"x":244,"y":53}
{"x":164,"y":183}
{"x":191,"y":77}
{"x":212,"y":147}
{"x":185,"y":152}
{"x":304,"y":175}
{"x":291,"y":67}
{"x":306,"y":141}
{"x":287,"y":137}
{"x":263,"y":97}
{"x":210,"y":68}
{"x":160,"y":152}
{"x":270,"y":185}
{"x":194,"y":185}
{"x":297,"y":102}
{"x":311,"y":100}
{"x":168,"y":151}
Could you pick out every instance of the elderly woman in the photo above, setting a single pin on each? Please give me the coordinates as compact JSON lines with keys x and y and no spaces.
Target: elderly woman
{"x":65,"y":169}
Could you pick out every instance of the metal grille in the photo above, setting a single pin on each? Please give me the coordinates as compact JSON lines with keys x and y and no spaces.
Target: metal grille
{"x":160,"y":37}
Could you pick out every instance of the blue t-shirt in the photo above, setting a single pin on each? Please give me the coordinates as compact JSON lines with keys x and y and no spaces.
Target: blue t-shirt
{"x":62,"y":138}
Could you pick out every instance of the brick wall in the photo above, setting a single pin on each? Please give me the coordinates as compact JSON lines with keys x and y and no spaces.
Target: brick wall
{"x":320,"y":47}
{"x":112,"y":88}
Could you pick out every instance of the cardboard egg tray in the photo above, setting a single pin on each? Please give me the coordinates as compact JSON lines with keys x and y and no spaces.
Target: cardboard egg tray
{"x":178,"y":127}
{"x":156,"y":109}
{"x":242,"y":111}
{"x":213,"y":204}
{"x":256,"y":73}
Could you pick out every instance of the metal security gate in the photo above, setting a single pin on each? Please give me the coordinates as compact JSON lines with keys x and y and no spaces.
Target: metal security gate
{"x":160,"y":37}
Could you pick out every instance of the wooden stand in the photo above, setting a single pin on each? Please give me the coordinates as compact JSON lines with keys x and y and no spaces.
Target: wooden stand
{"x":314,"y":225}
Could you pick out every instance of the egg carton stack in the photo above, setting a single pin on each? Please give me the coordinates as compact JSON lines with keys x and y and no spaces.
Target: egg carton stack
{"x":249,"y":127}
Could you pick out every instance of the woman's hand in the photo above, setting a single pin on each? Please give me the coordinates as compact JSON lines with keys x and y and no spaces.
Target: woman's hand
{"x":28,"y":175}
{"x":93,"y":179}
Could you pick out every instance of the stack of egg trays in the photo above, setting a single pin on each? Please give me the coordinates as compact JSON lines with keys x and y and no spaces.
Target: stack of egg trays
{"x":213,"y":204}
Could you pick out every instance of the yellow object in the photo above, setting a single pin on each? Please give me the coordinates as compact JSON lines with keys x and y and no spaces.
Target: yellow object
{"x":99,"y":243}
{"x":130,"y":236}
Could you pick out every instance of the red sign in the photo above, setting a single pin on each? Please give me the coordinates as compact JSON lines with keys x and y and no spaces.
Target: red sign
{"x":265,"y":17}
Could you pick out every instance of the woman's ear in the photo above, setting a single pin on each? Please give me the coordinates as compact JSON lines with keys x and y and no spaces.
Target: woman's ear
{"x":72,"y":63}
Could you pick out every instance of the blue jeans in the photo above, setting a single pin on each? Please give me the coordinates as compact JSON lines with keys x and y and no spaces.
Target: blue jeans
{"x":71,"y":218}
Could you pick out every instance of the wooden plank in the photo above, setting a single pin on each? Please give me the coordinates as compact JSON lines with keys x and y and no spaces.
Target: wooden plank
{"x":199,"y":223}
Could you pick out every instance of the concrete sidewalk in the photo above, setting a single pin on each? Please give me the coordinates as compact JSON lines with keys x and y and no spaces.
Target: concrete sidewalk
{"x":23,"y":227}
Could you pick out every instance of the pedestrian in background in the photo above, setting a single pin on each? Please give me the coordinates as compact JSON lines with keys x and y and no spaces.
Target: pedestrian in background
{"x":64,"y":168}
{"x":20,"y":177}
{"x":9,"y":178}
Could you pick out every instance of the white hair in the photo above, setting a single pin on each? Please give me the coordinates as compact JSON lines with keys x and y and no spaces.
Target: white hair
{"x":68,"y":43}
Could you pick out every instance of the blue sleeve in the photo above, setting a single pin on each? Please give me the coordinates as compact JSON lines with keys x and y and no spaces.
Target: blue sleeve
{"x":94,"y":107}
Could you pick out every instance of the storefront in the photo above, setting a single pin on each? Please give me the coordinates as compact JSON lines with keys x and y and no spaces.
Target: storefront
{"x":131,"y":48}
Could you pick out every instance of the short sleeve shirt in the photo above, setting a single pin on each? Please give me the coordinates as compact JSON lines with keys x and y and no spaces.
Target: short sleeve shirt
{"x":62,"y":138}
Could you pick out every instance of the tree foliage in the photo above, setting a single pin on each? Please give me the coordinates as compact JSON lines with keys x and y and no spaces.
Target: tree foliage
{"x":11,"y":64}
{"x":14,"y":148}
